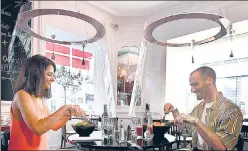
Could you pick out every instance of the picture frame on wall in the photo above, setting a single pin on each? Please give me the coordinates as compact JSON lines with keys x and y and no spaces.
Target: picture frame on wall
{"x":89,"y":98}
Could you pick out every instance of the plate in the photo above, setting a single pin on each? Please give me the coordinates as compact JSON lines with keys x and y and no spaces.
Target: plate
{"x":95,"y":136}
{"x":169,"y":137}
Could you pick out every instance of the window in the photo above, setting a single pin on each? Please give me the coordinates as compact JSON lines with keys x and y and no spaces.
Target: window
{"x":229,"y":87}
{"x":231,"y":76}
{"x":70,"y":56}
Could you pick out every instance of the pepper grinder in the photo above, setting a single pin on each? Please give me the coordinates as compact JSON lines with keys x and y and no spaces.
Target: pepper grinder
{"x":128,"y":132}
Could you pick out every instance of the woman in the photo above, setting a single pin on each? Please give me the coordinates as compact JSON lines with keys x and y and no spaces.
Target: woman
{"x":30,"y":116}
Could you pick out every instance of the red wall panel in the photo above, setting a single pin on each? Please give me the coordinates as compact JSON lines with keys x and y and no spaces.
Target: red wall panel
{"x":77,"y":63}
{"x":61,"y":60}
{"x":79,"y":53}
{"x":58,"y":48}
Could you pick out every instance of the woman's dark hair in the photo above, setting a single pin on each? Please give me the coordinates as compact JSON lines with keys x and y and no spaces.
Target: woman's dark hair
{"x":32,"y":76}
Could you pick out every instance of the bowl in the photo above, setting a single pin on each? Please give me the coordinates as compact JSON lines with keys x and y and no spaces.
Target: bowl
{"x":159,"y":131}
{"x":83,"y":130}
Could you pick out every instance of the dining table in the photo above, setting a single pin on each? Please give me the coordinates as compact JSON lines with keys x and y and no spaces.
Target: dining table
{"x":245,"y":131}
{"x":94,"y":142}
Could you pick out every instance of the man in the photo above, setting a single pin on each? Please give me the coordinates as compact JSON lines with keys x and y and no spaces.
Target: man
{"x":215,"y":123}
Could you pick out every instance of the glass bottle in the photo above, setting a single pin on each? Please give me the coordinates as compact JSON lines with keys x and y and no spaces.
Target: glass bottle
{"x":104,"y":122}
{"x":122,"y":134}
{"x":147,"y":121}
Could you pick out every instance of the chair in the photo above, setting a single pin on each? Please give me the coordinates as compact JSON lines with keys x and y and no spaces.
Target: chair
{"x":180,"y":138}
{"x":244,"y":132}
{"x":5,"y":140}
{"x":184,"y":140}
{"x":65,"y":135}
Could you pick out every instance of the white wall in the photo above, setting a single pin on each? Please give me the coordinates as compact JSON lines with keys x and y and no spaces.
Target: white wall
{"x":179,"y":66}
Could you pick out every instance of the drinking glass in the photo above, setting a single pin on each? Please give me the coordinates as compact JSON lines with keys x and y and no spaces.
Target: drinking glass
{"x":137,"y":125}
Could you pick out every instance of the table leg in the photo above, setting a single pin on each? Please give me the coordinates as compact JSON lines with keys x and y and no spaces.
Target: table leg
{"x":184,"y":142}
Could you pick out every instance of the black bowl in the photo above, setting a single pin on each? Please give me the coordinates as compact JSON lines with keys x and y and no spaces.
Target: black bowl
{"x":159,"y":131}
{"x":83,"y":131}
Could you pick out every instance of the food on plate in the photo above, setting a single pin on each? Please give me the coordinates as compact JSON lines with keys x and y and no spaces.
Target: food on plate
{"x":84,"y":123}
{"x":159,"y":123}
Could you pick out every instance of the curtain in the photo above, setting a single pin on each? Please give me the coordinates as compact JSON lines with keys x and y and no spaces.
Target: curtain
{"x":105,"y":73}
{"x":151,"y":81}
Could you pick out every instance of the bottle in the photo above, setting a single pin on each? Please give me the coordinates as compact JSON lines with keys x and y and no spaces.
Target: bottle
{"x":129,"y":135}
{"x":116,"y":130}
{"x":104,"y":116}
{"x":104,"y":122}
{"x":147,"y":121}
{"x":122,"y":133}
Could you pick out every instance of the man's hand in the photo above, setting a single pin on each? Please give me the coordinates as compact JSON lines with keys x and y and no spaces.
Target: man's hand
{"x":185,"y":118}
{"x":168,"y":108}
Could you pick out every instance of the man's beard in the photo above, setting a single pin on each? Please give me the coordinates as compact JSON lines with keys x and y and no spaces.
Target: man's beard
{"x":199,"y":97}
{"x":204,"y":94}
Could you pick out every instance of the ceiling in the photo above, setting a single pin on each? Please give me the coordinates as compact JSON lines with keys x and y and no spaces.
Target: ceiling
{"x":150,"y":8}
{"x":131,"y":8}
{"x":153,"y":10}
{"x":234,"y":11}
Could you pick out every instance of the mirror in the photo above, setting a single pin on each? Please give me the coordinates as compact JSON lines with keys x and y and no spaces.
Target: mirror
{"x":126,"y":69}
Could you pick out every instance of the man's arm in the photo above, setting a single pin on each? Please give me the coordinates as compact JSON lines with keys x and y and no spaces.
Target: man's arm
{"x":230,"y":126}
{"x":227,"y":133}
{"x":209,"y":137}
{"x":170,"y":108}
{"x":183,"y":127}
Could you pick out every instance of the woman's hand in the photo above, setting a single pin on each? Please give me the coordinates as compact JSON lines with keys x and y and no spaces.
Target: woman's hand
{"x":75,"y":110}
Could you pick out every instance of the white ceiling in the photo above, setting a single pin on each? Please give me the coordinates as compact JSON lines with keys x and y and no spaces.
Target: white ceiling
{"x":130,"y":8}
{"x":234,"y":11}
{"x":149,"y":8}
{"x":153,"y":10}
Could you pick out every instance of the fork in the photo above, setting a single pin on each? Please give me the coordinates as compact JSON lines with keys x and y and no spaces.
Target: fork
{"x":163,"y":120}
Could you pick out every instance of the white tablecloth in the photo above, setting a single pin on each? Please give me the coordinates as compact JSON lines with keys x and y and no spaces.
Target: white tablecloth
{"x":94,"y":136}
{"x":245,"y":123}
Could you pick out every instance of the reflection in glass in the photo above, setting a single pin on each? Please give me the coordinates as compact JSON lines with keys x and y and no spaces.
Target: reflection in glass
{"x":126,"y":70}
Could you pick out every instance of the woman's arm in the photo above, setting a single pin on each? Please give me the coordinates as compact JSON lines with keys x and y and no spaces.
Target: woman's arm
{"x":61,"y":122}
{"x":35,"y":123}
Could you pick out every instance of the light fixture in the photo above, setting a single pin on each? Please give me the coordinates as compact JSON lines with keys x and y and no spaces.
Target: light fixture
{"x":83,"y":62}
{"x":192,"y":47}
{"x":53,"y":55}
{"x":231,"y":54}
{"x":212,"y":17}
{"x":231,"y":31}
{"x":26,"y":16}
